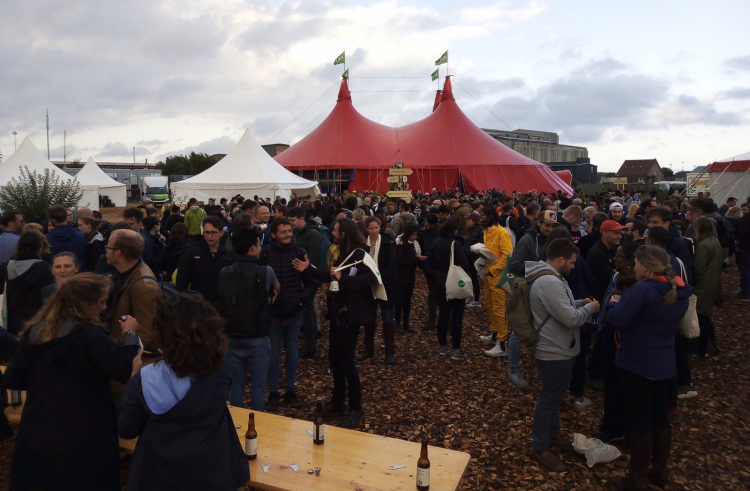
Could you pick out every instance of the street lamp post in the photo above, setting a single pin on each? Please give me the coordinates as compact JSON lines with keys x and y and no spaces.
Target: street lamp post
{"x":14,"y":140}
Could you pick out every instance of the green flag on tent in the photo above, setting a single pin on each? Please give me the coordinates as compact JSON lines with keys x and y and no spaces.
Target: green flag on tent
{"x":435,"y":74}
{"x":442,"y":59}
{"x":341,"y":59}
{"x":346,"y":74}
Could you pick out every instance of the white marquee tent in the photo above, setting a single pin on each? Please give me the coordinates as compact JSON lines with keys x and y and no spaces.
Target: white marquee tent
{"x":29,"y":156}
{"x":247,"y":170}
{"x":92,"y":174}
{"x":730,"y":177}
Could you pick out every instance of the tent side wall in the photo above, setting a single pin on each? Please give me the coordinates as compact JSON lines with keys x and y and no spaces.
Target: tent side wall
{"x":729,"y":180}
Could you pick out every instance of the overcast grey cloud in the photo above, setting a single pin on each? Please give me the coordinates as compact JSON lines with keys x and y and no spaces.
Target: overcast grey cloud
{"x":179,"y":75}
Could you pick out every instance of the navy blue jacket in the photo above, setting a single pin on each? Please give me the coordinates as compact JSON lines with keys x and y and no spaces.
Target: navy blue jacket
{"x":647,"y":328}
{"x":64,"y":238}
{"x":677,"y":246}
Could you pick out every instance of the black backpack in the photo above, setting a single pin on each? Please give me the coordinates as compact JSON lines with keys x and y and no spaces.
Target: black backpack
{"x":243,"y":301}
{"x":169,"y":290}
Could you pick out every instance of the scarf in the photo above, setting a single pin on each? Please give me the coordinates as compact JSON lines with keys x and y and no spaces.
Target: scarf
{"x":417,"y":247}
{"x":377,"y":248}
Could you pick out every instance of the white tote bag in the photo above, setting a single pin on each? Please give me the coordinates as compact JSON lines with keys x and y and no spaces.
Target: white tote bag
{"x":689,"y":326}
{"x":458,"y":284}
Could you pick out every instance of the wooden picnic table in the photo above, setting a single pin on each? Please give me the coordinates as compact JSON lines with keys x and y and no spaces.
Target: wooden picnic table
{"x":349,"y":460}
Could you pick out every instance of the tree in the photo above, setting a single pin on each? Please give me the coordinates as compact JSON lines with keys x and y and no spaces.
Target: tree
{"x":667,"y":172}
{"x":190,"y":165}
{"x":33,"y":193}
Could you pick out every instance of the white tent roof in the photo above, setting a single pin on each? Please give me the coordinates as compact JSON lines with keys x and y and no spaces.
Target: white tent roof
{"x":28,"y":155}
{"x":93,"y":174}
{"x":247,"y":169}
{"x":744,"y":156}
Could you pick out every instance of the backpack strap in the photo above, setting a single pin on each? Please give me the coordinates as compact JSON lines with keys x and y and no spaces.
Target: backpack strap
{"x":139,"y":279}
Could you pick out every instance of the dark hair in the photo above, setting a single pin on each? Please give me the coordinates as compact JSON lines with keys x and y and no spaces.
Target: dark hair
{"x":133,"y":213}
{"x":243,"y":239}
{"x":175,"y":209}
{"x":352,"y":237}
{"x":189,"y":331}
{"x":242,"y":220}
{"x":508,"y":208}
{"x":561,"y":248}
{"x":665,"y":214}
{"x":630,"y":248}
{"x":444,"y":209}
{"x":295,"y":212}
{"x":408,"y":232}
{"x":121,"y":225}
{"x":490,"y":214}
{"x":214,"y":221}
{"x":91,"y":222}
{"x":150,"y":222}
{"x":598,"y":219}
{"x":151,"y":211}
{"x":248,"y":204}
{"x":66,"y":254}
{"x":371,"y":219}
{"x":192,"y":201}
{"x":703,"y":229}
{"x":351,"y":203}
{"x":29,"y":245}
{"x":97,"y":214}
{"x":658,"y":236}
{"x":533,"y":209}
{"x":178,"y":233}
{"x":450,"y":226}
{"x":639,"y":225}
{"x":278,"y":222}
{"x":283,"y":210}
{"x":560,"y":231}
{"x":57,"y":213}
{"x":130,"y":243}
{"x":10,"y":216}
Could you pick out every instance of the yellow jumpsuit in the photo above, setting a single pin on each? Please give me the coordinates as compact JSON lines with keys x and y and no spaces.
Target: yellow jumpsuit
{"x":497,"y":240}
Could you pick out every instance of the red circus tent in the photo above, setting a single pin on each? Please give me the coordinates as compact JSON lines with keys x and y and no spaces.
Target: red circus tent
{"x":442,"y":149}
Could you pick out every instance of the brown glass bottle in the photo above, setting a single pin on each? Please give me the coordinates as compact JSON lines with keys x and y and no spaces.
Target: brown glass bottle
{"x":251,"y":439}
{"x":423,"y":469}
{"x":319,"y":430}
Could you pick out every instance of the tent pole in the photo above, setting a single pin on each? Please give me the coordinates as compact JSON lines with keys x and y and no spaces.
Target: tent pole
{"x":735,"y":185}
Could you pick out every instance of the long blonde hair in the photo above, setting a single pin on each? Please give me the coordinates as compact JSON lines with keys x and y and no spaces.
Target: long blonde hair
{"x":632,"y":211}
{"x":657,"y":261}
{"x":66,"y":305}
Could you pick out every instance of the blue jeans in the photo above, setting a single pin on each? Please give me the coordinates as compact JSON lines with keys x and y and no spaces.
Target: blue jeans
{"x":255,"y":353}
{"x":290,"y":333}
{"x":555,"y":377}
{"x":514,"y":353}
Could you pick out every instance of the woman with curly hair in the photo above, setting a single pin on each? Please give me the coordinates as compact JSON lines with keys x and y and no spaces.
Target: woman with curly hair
{"x":177,"y":407}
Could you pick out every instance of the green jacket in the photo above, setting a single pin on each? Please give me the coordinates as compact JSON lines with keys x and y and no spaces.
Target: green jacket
{"x":193,"y":220}
{"x":309,"y":240}
{"x":707,"y":267}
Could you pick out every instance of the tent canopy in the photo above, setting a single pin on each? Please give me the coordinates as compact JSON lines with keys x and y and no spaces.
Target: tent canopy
{"x":92,"y":174}
{"x":730,"y":177}
{"x":441,"y":149}
{"x":248,"y":170}
{"x":29,"y":156}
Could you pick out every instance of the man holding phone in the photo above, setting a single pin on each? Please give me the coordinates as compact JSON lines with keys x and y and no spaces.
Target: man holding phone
{"x":286,"y":311}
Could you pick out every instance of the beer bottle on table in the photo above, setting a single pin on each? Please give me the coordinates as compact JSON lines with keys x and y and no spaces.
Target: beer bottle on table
{"x":423,"y":469}
{"x":319,"y":431}
{"x":251,"y":439}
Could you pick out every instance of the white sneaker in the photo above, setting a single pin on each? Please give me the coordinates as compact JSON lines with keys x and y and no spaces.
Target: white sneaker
{"x":473,"y":303}
{"x":498,"y":351}
{"x":580,"y":406}
{"x":487,"y":339}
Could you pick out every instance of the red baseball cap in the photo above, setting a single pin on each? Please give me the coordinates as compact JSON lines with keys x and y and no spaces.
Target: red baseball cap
{"x":610,"y":225}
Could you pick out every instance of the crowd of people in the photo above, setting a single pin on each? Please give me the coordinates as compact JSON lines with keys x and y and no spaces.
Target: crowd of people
{"x":151,"y":323}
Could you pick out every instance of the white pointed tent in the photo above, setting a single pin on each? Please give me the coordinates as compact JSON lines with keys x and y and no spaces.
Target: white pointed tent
{"x":92,"y":174}
{"x":29,"y":156}
{"x":730,"y":177}
{"x":247,"y":170}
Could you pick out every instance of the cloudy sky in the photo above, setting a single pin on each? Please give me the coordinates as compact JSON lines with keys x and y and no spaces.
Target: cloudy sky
{"x":636,"y":79}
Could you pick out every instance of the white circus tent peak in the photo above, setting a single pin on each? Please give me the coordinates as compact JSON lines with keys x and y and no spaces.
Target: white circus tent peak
{"x":29,"y":156}
{"x":92,"y":174}
{"x":247,"y":170}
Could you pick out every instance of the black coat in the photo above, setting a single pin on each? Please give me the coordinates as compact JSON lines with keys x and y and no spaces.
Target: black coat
{"x":294,"y":290}
{"x":198,"y":270}
{"x":426,"y":239}
{"x":24,"y":290}
{"x":388,"y":267}
{"x":602,"y":263}
{"x":408,"y":261}
{"x":440,"y":259}
{"x":355,"y":292}
{"x":94,"y":250}
{"x":67,"y":438}
{"x":151,"y":251}
{"x":194,"y":445}
{"x":170,"y":256}
{"x":587,"y":242}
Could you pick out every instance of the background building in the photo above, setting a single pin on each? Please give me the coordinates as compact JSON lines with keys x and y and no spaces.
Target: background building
{"x":641,"y":171}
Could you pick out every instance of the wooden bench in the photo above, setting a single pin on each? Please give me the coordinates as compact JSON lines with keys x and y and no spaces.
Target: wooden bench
{"x":349,"y":460}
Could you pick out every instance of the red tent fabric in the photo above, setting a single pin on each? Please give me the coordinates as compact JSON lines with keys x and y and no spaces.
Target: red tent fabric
{"x":442,"y":149}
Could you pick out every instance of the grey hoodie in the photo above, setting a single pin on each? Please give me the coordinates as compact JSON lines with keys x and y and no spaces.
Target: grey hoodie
{"x":559,"y":339}
{"x":17,"y":268}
